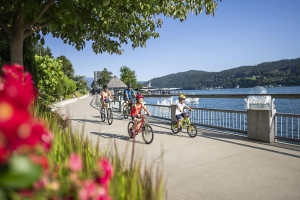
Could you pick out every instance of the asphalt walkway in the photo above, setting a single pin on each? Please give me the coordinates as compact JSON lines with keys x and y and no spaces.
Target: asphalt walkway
{"x":213,"y":165}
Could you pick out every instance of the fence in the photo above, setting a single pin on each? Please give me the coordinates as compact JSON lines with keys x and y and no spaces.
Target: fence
{"x":287,"y":126}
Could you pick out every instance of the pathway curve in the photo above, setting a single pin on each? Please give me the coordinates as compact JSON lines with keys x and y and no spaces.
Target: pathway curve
{"x":213,"y":165}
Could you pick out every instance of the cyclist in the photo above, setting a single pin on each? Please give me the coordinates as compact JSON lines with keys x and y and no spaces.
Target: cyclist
{"x":128,"y":93}
{"x":179,"y":110}
{"x":105,"y":94}
{"x":136,"y":111}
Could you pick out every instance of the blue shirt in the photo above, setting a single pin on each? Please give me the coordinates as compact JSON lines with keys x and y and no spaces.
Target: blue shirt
{"x":130,"y":93}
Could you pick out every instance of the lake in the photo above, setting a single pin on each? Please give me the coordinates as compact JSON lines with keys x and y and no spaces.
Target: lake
{"x":281,"y":105}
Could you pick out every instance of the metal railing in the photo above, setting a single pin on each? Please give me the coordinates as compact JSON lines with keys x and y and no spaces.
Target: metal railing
{"x":160,"y":111}
{"x":233,"y":120}
{"x":287,"y":126}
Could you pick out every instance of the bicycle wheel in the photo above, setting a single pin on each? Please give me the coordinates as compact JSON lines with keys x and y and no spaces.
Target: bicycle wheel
{"x":130,"y":125}
{"x":174,"y":127}
{"x":125,"y":112}
{"x":147,"y":134}
{"x":110,"y":116}
{"x":192,"y":130}
{"x":102,"y":115}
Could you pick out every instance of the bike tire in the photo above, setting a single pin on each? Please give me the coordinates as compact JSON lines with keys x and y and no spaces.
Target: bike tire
{"x":147,"y":134}
{"x":129,"y":126}
{"x":193,"y":132}
{"x":102,"y":115}
{"x":174,"y":127}
{"x":110,"y":116}
{"x":124,"y":112}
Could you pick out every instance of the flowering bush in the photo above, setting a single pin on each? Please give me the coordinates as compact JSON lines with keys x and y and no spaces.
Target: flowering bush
{"x":25,"y":146}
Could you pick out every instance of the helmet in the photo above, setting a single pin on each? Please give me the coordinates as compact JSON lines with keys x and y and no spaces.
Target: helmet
{"x":139,"y":96}
{"x":181,"y":96}
{"x":105,"y":86}
{"x":129,"y":86}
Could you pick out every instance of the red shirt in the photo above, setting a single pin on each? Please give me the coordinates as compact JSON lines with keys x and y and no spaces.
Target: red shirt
{"x":134,"y":111}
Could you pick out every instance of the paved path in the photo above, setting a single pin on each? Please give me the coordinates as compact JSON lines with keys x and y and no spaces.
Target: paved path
{"x":213,"y":165}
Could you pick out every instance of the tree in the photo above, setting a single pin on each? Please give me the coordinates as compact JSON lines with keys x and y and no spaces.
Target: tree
{"x":66,"y":86}
{"x":67,"y":67}
{"x":107,"y":23}
{"x":128,"y":76}
{"x":104,"y":78}
{"x":81,"y":84}
{"x":40,"y":50}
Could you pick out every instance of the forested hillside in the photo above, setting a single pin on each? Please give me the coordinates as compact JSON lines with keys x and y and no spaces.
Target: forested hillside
{"x":282,"y":72}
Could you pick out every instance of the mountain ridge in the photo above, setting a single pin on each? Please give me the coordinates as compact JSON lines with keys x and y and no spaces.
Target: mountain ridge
{"x":284,"y":72}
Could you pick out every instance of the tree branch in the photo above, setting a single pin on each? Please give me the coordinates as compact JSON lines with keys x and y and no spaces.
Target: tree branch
{"x":42,"y":12}
{"x":35,"y":29}
{"x":6,"y":28}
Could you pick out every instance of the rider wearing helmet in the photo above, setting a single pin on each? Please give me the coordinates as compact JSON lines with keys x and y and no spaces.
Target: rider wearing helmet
{"x":136,"y":110}
{"x":180,"y":109}
{"x":128,"y":94}
{"x":105,"y":94}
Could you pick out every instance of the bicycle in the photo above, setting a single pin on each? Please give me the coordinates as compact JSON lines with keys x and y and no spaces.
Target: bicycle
{"x":126,"y":112}
{"x":142,"y":126}
{"x":186,"y":122}
{"x":107,"y":113}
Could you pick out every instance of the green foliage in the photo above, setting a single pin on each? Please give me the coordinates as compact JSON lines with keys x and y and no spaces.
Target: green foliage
{"x":107,"y":23}
{"x":65,"y":86}
{"x":67,"y":67}
{"x":19,"y":173}
{"x":104,"y":78}
{"x":81,"y":84}
{"x":282,"y":72}
{"x":49,"y":73}
{"x":129,"y":181}
{"x":40,"y":50}
{"x":128,"y":76}
{"x":83,"y":92}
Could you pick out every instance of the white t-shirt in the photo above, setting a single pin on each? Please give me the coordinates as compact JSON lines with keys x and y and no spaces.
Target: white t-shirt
{"x":181,"y":106}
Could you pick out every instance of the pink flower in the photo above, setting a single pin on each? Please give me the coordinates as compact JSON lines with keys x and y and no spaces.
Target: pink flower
{"x":87,"y":190}
{"x":75,"y":162}
{"x":107,"y":172}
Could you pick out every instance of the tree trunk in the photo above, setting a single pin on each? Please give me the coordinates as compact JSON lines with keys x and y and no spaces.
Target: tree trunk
{"x":16,"y":48}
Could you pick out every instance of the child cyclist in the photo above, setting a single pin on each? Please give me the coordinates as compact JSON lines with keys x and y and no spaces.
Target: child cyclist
{"x":136,"y":111}
{"x":105,"y":94}
{"x":179,"y":110}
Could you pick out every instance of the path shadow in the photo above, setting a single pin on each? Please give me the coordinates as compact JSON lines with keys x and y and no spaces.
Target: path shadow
{"x":86,"y":120}
{"x":116,"y":136}
{"x":171,"y":134}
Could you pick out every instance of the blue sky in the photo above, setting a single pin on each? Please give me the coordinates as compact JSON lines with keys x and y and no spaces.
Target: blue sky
{"x":242,"y":32}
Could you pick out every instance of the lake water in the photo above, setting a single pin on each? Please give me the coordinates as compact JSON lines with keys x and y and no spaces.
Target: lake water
{"x":281,"y":105}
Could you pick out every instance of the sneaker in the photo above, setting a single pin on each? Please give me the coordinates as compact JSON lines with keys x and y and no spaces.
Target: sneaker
{"x":180,"y":129}
{"x":101,"y":111}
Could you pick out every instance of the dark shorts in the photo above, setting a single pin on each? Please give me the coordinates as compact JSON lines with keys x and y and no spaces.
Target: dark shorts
{"x":180,"y":116}
{"x":106,"y":100}
{"x":135,"y":116}
{"x":125,"y":99}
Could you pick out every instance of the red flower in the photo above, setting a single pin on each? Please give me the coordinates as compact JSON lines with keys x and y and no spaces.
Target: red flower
{"x":39,"y":160}
{"x":107,"y":172}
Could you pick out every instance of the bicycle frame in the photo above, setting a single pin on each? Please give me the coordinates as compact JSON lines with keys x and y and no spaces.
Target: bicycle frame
{"x":140,"y":124}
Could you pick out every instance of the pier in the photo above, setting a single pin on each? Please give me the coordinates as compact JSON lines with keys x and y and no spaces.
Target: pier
{"x":217,"y":164}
